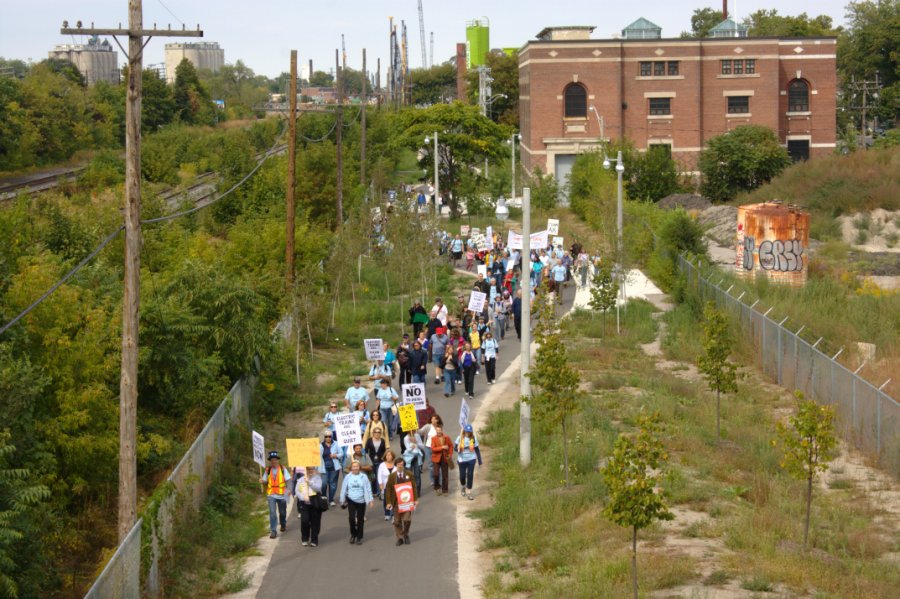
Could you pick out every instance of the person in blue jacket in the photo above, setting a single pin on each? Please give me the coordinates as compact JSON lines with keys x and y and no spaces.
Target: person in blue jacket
{"x":330,"y":465}
{"x":356,"y":492}
{"x":467,"y":452}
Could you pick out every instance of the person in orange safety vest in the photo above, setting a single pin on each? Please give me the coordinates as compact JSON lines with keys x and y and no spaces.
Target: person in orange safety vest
{"x":276,"y":478}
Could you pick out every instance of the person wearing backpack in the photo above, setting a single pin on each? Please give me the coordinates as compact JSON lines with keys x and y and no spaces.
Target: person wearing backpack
{"x":276,"y":478}
{"x":330,"y":465}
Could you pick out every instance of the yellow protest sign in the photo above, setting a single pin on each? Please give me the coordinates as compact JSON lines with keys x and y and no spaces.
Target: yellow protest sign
{"x":408,"y":420}
{"x":303,"y":452}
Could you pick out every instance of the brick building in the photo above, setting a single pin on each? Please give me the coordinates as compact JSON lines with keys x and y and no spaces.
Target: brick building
{"x":677,"y":93}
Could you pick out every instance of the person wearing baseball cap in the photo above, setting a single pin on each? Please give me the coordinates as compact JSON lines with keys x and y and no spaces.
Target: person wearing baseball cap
{"x":276,"y":478}
{"x":355,"y":393}
{"x":400,"y":493}
{"x":467,"y":452}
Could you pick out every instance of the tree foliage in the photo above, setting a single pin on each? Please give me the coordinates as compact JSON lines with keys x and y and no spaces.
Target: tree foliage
{"x":720,"y":373}
{"x":702,"y":21}
{"x":192,"y":102}
{"x":435,"y":85}
{"x":741,"y":160}
{"x":808,"y":442}
{"x":556,"y":380}
{"x":504,"y":67}
{"x":604,"y":290}
{"x":652,"y":175}
{"x":632,"y":476}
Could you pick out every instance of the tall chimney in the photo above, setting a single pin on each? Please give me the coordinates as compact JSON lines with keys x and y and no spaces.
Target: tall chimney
{"x":724,"y":9}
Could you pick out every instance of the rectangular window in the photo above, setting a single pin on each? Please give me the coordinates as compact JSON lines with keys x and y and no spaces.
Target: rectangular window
{"x":738,"y":104}
{"x":726,"y":67}
{"x":750,"y":66}
{"x":660,"y":106}
{"x":673,"y":68}
{"x":659,"y":69}
{"x":646,"y":69}
{"x":738,"y":67}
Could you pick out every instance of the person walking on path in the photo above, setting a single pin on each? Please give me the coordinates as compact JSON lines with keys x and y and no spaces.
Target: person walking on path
{"x":517,"y":313}
{"x":329,"y":419}
{"x":412,"y":457}
{"x":449,"y":364}
{"x":418,"y":317}
{"x":376,"y":448}
{"x":469,"y":362}
{"x":441,"y":455}
{"x":426,"y":433}
{"x":362,"y":416}
{"x":376,"y":424}
{"x":436,"y":348}
{"x":386,"y":403}
{"x":308,"y":488}
{"x":276,"y":478}
{"x":384,"y":471}
{"x":401,"y":494}
{"x":354,"y":393}
{"x":356,"y":492}
{"x":418,"y":362}
{"x":330,"y":465}
{"x":403,"y":351}
{"x":467,"y":452}
{"x":490,"y":347}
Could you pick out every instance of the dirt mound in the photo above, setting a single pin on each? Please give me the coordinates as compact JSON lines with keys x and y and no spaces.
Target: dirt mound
{"x":722,"y":223}
{"x":688,"y":201}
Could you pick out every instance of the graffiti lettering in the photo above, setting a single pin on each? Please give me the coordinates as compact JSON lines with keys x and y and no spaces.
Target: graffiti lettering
{"x":782,"y":256}
{"x":749,"y":246}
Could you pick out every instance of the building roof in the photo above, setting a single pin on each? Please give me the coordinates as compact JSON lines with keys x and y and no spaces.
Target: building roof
{"x":549,"y":33}
{"x":642,"y":29}
{"x":728,"y":28}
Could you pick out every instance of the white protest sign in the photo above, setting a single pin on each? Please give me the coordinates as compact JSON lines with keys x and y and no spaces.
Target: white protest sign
{"x":514,"y":241}
{"x":479,"y":241}
{"x":538,"y":240}
{"x":557,"y":242}
{"x":374,"y":349}
{"x":413,"y":393}
{"x":463,"y":413}
{"x":553,"y":226}
{"x":482,"y":270}
{"x":464,"y":230}
{"x":489,"y":238}
{"x":476,"y":301}
{"x":347,"y":428}
{"x":259,"y":449}
{"x":476,"y":230}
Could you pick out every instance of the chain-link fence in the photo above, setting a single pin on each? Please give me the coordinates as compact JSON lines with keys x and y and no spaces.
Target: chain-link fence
{"x":866,"y":416}
{"x":182,"y":494}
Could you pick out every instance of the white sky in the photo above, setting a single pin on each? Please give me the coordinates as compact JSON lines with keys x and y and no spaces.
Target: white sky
{"x":262,"y":33}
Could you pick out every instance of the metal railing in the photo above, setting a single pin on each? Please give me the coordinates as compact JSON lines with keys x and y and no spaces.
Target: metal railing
{"x":182,"y":494}
{"x":866,"y":415}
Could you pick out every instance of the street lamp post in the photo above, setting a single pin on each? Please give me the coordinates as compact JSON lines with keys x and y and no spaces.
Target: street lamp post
{"x":512,"y":147}
{"x":437,"y":185}
{"x":600,"y":121}
{"x":525,"y":328}
{"x":620,"y":169}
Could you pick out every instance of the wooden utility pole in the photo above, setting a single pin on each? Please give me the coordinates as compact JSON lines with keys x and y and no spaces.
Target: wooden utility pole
{"x":339,"y":131}
{"x":291,"y":175}
{"x":364,"y":104}
{"x":131,"y":297}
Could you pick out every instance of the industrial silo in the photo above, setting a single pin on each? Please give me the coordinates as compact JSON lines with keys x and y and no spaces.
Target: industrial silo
{"x":478,"y":42}
{"x":772,"y":242}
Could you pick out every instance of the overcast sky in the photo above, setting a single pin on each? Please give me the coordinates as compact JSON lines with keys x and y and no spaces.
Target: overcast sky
{"x":262,"y":33}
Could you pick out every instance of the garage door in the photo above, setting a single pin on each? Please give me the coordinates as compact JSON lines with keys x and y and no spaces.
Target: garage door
{"x":563,"y":167}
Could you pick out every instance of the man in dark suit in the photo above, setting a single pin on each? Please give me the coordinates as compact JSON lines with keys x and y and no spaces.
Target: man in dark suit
{"x":400,"y":492}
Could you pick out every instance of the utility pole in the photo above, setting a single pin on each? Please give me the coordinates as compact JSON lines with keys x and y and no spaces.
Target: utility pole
{"x":378,"y":80}
{"x":525,"y":327}
{"x":339,"y":130}
{"x":362,"y":119}
{"x":867,"y":88}
{"x":291,"y":176}
{"x":127,"y":514}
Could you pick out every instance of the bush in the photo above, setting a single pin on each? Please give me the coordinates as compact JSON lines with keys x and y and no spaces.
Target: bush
{"x":652,"y":176}
{"x":741,"y":160}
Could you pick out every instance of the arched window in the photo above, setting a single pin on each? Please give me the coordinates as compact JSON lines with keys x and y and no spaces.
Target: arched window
{"x":576,"y":100}
{"x":798,"y":96}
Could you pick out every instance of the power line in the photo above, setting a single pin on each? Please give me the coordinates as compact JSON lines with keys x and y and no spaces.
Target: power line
{"x":174,"y":16}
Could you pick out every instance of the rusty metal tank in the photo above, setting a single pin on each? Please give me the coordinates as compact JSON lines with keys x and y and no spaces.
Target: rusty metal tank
{"x":773,"y":242}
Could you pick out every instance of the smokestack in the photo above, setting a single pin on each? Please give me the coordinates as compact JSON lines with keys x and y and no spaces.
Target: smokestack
{"x":724,"y":9}
{"x":310,"y":69}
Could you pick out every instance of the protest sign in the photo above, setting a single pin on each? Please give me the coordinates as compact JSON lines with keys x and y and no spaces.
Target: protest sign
{"x":346,"y":426}
{"x":259,"y":449}
{"x":553,"y":226}
{"x":464,"y":230}
{"x":463,"y":413}
{"x":413,"y":393}
{"x":482,"y":270}
{"x":476,"y":231}
{"x":303,"y":452}
{"x":557,"y":242}
{"x":478,"y":241}
{"x":405,"y":496}
{"x":374,"y":349}
{"x":408,"y":419}
{"x":513,"y":241}
{"x":538,"y":240}
{"x":489,"y":238}
{"x":476,"y":301}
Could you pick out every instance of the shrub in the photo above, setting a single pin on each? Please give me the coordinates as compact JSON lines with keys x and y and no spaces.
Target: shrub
{"x":741,"y":160}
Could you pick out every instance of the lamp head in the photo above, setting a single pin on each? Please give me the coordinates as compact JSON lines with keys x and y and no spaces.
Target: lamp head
{"x":427,"y":139}
{"x":606,"y":163}
{"x":620,"y":168}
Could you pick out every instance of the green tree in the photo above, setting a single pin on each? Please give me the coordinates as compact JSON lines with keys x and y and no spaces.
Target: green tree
{"x":435,"y":85}
{"x":18,"y":495}
{"x":157,"y":102}
{"x":768,"y":23}
{"x":321,"y":79}
{"x":604,"y":290}
{"x":556,"y":398}
{"x":720,"y":373}
{"x":652,"y":175}
{"x":632,"y":476}
{"x":702,"y":21}
{"x":505,"y":74}
{"x":192,"y":102}
{"x":808,"y":442}
{"x":741,"y":160}
{"x":544,"y":190}
{"x":465,"y":139}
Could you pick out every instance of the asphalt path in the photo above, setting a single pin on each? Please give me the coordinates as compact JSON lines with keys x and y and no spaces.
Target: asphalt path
{"x":378,"y":567}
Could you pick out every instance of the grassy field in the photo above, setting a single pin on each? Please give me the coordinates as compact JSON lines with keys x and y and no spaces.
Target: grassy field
{"x":738,"y":516}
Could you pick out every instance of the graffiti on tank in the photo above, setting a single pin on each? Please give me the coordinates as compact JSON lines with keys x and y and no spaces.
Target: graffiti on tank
{"x":749,"y":245}
{"x":781,"y":256}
